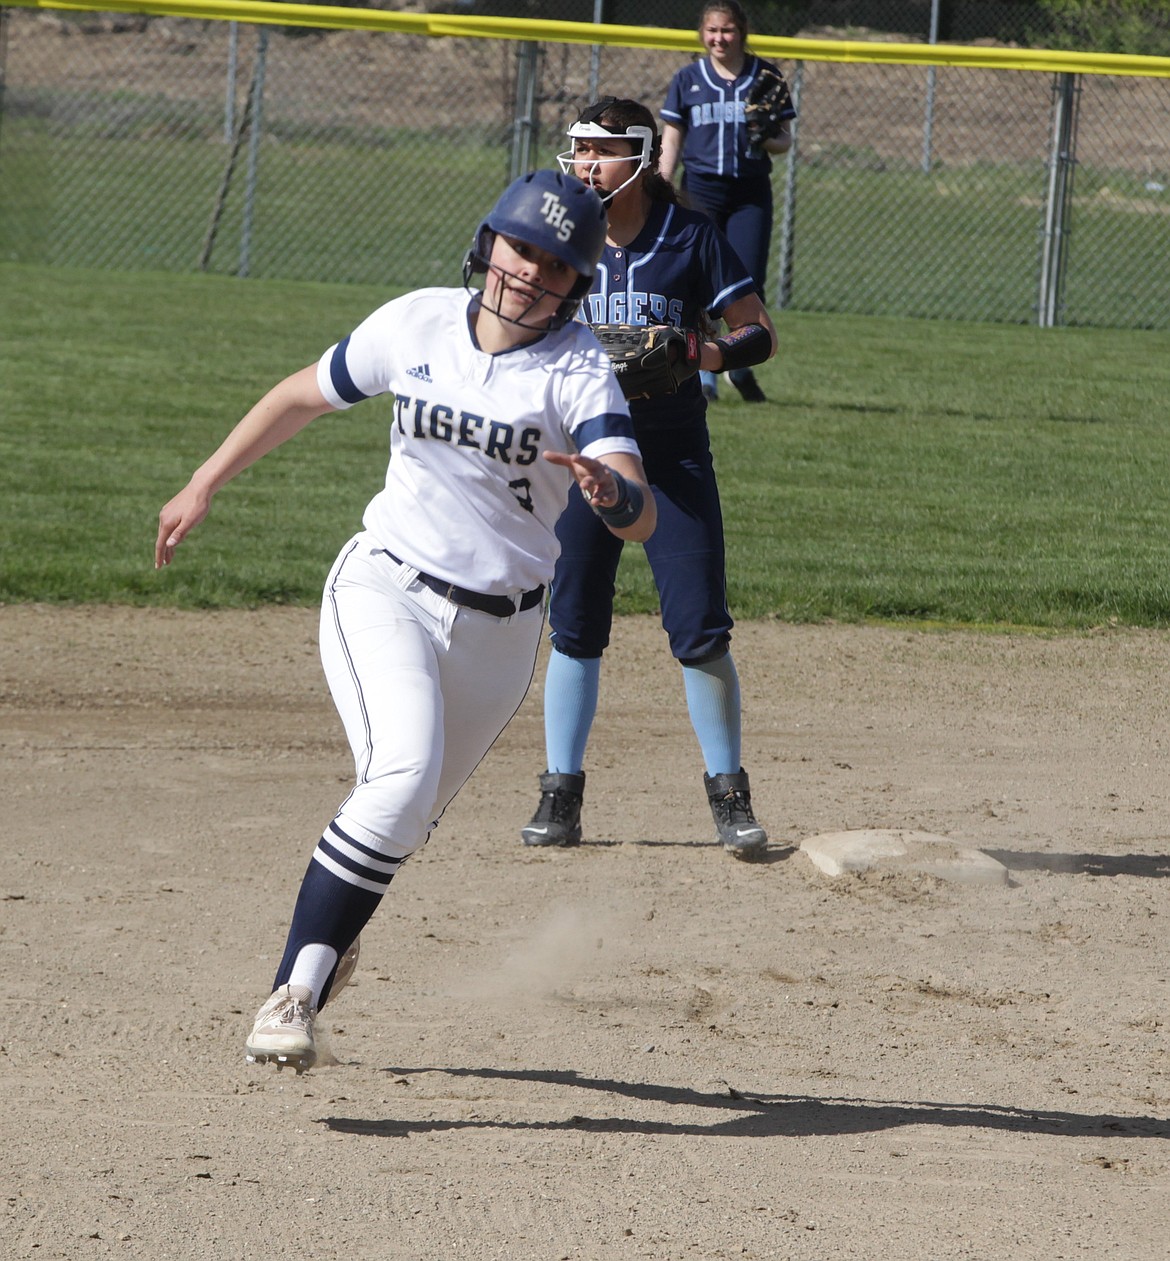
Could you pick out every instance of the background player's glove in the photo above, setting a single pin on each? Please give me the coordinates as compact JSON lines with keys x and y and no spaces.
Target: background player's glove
{"x":768,"y":106}
{"x":650,"y":360}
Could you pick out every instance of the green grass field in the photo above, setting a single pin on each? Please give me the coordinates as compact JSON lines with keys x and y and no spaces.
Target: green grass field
{"x":902,"y":469}
{"x":326,"y":205}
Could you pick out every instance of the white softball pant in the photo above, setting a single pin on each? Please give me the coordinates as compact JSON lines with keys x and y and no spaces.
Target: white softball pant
{"x":423,"y":686}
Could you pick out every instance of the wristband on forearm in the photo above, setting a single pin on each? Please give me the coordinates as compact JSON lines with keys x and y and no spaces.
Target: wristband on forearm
{"x":745,"y":347}
{"x":628,"y":507}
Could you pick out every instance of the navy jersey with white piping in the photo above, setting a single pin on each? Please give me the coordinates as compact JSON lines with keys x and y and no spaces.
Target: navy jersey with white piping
{"x":710,"y":111}
{"x":679,"y":266}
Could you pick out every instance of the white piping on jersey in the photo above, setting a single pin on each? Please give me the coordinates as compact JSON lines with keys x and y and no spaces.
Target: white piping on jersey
{"x":604,"y":292}
{"x":720,"y":85}
{"x":647,"y":257}
{"x":718,"y":302}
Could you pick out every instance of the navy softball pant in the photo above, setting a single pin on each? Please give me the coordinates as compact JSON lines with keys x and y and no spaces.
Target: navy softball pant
{"x":685,"y":552}
{"x":742,"y":211}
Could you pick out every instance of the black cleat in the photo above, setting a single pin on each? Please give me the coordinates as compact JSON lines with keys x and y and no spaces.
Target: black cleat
{"x":730,"y":799}
{"x":749,"y":388}
{"x":557,"y":820}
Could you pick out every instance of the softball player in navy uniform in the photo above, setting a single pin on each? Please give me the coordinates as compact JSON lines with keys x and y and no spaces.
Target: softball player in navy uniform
{"x":432,"y":614}
{"x":724,"y":174}
{"x":662,"y":264}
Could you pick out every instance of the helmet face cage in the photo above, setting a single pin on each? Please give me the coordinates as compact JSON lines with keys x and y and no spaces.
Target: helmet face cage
{"x":641,"y":137}
{"x":555,"y":213}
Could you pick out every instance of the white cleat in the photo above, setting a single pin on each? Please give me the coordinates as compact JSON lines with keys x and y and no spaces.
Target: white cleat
{"x":283,"y":1032}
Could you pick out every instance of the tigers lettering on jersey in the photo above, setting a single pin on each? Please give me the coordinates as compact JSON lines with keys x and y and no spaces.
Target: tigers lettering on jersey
{"x":498,"y":440}
{"x":634,"y":308}
{"x":467,"y":429}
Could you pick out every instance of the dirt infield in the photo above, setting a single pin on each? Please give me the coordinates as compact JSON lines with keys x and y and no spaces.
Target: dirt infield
{"x":636,"y":1049}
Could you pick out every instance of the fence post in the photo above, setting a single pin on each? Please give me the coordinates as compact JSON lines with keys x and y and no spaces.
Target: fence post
{"x":3,"y":55}
{"x":239,"y":126}
{"x":1062,"y":161}
{"x":229,"y":107}
{"x":253,"y":153}
{"x":788,"y":210}
{"x":595,"y":53}
{"x":931,"y":74}
{"x":524,"y":120}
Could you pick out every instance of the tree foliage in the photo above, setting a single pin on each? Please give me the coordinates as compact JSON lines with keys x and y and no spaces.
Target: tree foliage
{"x":1110,"y":26}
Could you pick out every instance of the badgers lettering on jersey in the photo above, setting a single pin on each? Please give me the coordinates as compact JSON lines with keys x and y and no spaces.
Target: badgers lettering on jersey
{"x":716,"y":112}
{"x":634,"y":308}
{"x":420,"y":418}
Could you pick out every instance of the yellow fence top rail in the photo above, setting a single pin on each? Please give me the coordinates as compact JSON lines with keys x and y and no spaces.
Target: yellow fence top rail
{"x":336,"y":17}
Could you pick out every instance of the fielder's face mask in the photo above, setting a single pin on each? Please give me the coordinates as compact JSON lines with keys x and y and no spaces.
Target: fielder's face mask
{"x":588,"y":128}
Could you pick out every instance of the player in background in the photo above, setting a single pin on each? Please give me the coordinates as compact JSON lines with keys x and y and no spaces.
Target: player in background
{"x":432,"y":613}
{"x":724,"y":174}
{"x":662,"y":264}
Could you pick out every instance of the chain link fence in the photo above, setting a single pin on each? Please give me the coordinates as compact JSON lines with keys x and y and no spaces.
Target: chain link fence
{"x":172,"y":144}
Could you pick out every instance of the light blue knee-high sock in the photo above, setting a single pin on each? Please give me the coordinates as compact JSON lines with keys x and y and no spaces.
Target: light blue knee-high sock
{"x":571,"y":685}
{"x":713,"y":703}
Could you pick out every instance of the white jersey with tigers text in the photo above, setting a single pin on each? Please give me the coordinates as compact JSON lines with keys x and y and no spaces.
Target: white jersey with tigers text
{"x":467,"y":496}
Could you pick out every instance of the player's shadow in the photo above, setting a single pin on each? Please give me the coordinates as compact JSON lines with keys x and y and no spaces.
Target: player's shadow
{"x":741,"y":1114}
{"x":774,"y":853}
{"x":1149,"y":866}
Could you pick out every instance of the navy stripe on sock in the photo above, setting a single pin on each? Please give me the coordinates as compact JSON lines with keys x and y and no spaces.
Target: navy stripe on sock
{"x":374,"y":873}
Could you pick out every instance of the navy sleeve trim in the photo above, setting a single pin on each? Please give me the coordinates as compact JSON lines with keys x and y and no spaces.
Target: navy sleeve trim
{"x":339,"y":375}
{"x":611,"y":425}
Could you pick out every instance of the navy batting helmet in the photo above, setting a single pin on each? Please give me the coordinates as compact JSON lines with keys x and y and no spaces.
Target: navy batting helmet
{"x":554,"y":212}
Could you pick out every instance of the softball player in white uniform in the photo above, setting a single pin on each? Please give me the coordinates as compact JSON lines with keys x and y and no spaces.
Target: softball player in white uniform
{"x":432,"y":614}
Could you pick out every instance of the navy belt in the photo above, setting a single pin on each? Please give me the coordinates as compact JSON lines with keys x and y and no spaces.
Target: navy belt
{"x":496,"y":605}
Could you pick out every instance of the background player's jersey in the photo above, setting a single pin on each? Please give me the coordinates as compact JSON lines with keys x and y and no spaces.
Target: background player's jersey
{"x":468,"y":497}
{"x":709,"y":109}
{"x":678,"y":252}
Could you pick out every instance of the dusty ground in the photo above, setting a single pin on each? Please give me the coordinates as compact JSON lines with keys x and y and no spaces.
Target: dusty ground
{"x":636,"y":1049}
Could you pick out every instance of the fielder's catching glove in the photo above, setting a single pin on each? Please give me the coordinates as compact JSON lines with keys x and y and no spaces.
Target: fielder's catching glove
{"x":768,"y":106}
{"x":650,"y":360}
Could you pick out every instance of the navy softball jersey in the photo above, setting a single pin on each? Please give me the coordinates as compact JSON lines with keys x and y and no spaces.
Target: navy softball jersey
{"x":709,"y":109}
{"x":678,"y":266}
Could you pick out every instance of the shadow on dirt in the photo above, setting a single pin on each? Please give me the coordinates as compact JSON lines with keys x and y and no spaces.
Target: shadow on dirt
{"x":757,"y":1115}
{"x":1149,"y":866}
